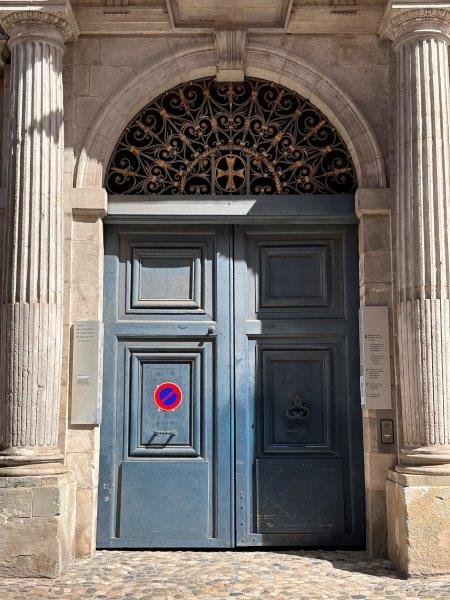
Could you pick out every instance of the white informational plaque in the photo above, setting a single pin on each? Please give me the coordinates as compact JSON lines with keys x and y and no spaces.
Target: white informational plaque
{"x":375,"y":357}
{"x":87,"y":373}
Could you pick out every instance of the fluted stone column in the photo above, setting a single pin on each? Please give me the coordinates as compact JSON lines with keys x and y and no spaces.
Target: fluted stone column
{"x":420,"y":34}
{"x":31,"y":294}
{"x":36,"y":525}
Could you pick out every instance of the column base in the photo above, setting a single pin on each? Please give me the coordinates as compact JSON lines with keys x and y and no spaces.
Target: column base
{"x":37,"y":525}
{"x":25,"y":461}
{"x":418,"y":511}
{"x":435,"y":456}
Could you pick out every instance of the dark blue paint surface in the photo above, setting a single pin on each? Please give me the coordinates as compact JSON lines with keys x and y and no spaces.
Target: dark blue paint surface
{"x":164,"y":477}
{"x":275,"y":412}
{"x":299,"y":471}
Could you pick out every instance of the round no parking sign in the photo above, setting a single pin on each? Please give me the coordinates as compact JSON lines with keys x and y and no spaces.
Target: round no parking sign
{"x":168,"y":396}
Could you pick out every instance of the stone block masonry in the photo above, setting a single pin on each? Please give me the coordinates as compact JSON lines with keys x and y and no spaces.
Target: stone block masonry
{"x":37,"y":523}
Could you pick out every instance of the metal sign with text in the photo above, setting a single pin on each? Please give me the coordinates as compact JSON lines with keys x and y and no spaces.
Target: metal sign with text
{"x":375,"y":357}
{"x":87,"y":373}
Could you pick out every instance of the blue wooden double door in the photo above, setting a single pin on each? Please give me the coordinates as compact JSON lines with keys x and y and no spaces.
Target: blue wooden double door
{"x":257,"y":327}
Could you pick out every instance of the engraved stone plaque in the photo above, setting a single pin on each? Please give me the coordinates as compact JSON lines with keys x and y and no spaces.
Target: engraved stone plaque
{"x":375,"y":357}
{"x":87,"y":371}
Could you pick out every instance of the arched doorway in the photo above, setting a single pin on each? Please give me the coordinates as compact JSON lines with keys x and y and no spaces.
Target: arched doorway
{"x":231,"y":406}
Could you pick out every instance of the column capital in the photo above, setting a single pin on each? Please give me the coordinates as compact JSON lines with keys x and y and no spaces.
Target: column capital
{"x":405,"y":19}
{"x":25,"y":18}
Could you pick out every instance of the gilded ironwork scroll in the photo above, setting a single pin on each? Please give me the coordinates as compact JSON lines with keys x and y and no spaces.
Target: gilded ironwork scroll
{"x":251,"y":137}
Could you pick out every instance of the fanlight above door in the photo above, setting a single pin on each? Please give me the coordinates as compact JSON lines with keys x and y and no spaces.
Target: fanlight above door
{"x":253,"y":137}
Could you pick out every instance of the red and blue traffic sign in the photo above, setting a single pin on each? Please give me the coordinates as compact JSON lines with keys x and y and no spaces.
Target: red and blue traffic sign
{"x":168,"y":396}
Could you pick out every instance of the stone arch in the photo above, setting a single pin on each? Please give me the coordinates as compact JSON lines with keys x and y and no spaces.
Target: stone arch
{"x":261,"y":62}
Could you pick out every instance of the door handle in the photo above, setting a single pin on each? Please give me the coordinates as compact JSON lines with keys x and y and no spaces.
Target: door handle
{"x":211,"y":330}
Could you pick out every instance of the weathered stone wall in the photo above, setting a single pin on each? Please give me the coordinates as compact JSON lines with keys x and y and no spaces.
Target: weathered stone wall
{"x":361,"y":65}
{"x":40,"y":510}
{"x":86,"y":304}
{"x":373,"y":208}
{"x":419,"y":523}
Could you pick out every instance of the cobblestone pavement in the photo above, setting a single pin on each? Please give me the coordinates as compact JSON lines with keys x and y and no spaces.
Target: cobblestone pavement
{"x":280,"y":575}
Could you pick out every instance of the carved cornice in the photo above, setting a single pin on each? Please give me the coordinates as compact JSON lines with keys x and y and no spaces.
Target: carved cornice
{"x":57,"y":15}
{"x":230,"y":45}
{"x":403,"y":18}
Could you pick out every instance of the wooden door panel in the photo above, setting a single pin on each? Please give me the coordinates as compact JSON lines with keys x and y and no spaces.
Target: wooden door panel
{"x":165,"y":505}
{"x":298,"y":405}
{"x":153,"y":432}
{"x":165,"y":478}
{"x":167,"y":274}
{"x":165,"y":475}
{"x":166,"y":278}
{"x":299,"y":477}
{"x":300,"y":496}
{"x":293,"y":276}
{"x":281,"y":288}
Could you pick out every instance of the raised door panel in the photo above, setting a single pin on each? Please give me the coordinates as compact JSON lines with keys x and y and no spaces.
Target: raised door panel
{"x":298,"y":399}
{"x":300,"y":420}
{"x":280,"y":286}
{"x":293,"y":275}
{"x":167,"y":274}
{"x":167,"y":466}
{"x":301,"y":497}
{"x":156,"y":432}
{"x":165,"y":506}
{"x":166,"y":278}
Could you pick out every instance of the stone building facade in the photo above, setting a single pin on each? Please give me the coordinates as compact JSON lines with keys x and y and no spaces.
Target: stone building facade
{"x":75,"y":74}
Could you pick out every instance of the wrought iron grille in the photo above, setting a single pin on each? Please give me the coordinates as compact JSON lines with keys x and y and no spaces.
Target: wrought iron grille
{"x":253,"y":137}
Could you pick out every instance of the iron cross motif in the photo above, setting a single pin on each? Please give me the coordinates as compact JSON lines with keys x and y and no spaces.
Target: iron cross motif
{"x":230,"y":173}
